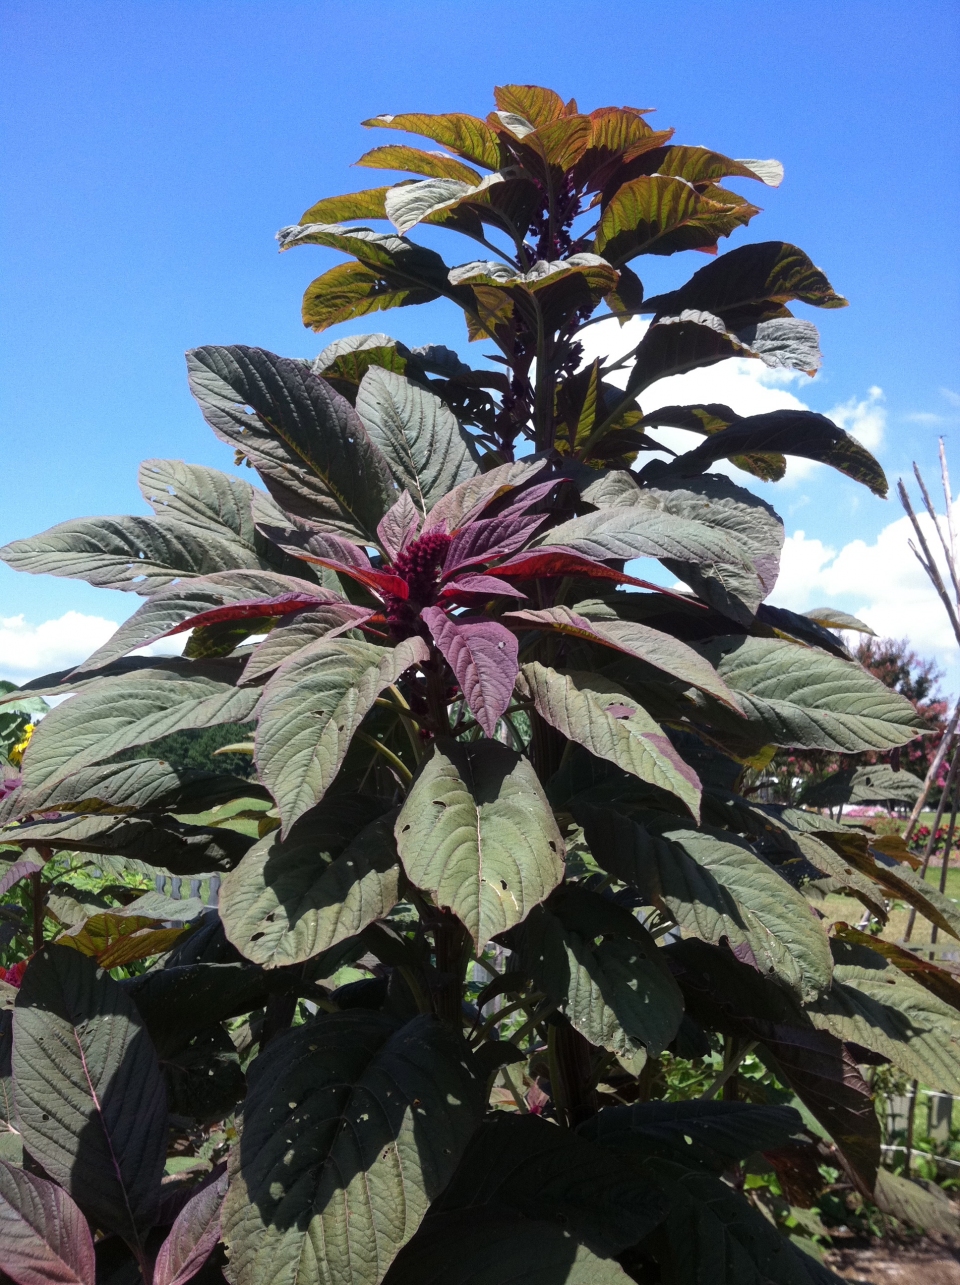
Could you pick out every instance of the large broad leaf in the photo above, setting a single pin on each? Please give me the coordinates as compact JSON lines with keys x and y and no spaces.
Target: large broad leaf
{"x":927,"y":1207}
{"x":874,"y":1004}
{"x":295,"y":632}
{"x":311,"y":709}
{"x":661,"y":215}
{"x":652,"y":646}
{"x":717,"y":889}
{"x":491,"y":1246}
{"x":193,"y":1236}
{"x":748,"y":522}
{"x":290,"y":899}
{"x":205,"y":498}
{"x":806,"y":699}
{"x":477,"y":833}
{"x":427,"y":450}
{"x":944,"y":985}
{"x":305,"y":440}
{"x":117,"y":939}
{"x":91,"y":1103}
{"x":638,"y":532}
{"x":469,"y":498}
{"x":44,"y":1238}
{"x":604,"y":971}
{"x":874,"y":783}
{"x":413,"y":160}
{"x":598,"y":714}
{"x":352,"y":1125}
{"x":526,"y":1166}
{"x":468,"y":136}
{"x":114,"y":714}
{"x":673,"y":345}
{"x":713,"y":1134}
{"x":352,"y":290}
{"x":483,"y":657}
{"x":750,"y":282}
{"x":182,"y":1000}
{"x":141,"y":554}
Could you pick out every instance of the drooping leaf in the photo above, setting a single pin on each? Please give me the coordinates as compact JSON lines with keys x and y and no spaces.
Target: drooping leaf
{"x":310,"y":710}
{"x":90,"y":1099}
{"x":593,"y":958}
{"x":598,"y":714}
{"x":114,"y":714}
{"x":427,"y":450}
{"x":290,"y":899}
{"x":675,"y":344}
{"x":324,"y":549}
{"x":634,"y":639}
{"x":138,"y":554}
{"x":716,"y":889}
{"x":352,"y":205}
{"x":305,"y":440}
{"x":172,"y":609}
{"x":750,"y":282}
{"x":926,"y":1206}
{"x":807,"y":699}
{"x":561,"y":561}
{"x":873,"y":1004}
{"x":113,"y":939}
{"x":44,"y":1238}
{"x":477,"y":833}
{"x":352,"y":290}
{"x":483,"y":657}
{"x":526,"y":1166}
{"x":198,"y":496}
{"x":193,"y":1236}
{"x":942,"y":984}
{"x":371,"y":1118}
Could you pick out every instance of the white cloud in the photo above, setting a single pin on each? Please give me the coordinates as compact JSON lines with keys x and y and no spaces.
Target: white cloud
{"x":28,"y":650}
{"x":865,"y":420}
{"x":925,"y":417}
{"x":952,"y":397}
{"x":881,"y":582}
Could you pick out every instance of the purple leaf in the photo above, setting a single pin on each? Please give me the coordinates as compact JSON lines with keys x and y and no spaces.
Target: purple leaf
{"x":19,"y":870}
{"x":488,"y":586}
{"x":322,"y":544}
{"x":467,"y":501}
{"x":398,"y":526}
{"x":558,"y":561}
{"x":521,"y":501}
{"x":494,"y":538}
{"x":44,"y":1238}
{"x":483,"y":657}
{"x":192,"y":1237}
{"x":254,"y":608}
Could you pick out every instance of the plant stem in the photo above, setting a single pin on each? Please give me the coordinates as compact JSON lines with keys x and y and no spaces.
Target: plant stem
{"x":396,"y":763}
{"x":911,"y":1118}
{"x":730,"y":1068}
{"x":945,"y":861}
{"x":928,"y":850}
{"x":36,"y":898}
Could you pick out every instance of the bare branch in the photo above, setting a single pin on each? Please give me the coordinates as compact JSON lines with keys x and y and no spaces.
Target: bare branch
{"x":929,"y":566}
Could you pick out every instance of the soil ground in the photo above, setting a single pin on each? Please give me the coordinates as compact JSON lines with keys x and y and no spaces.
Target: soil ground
{"x":923,"y":1263}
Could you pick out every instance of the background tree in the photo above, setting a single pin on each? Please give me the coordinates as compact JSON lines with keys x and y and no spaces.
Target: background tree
{"x":499,"y":784}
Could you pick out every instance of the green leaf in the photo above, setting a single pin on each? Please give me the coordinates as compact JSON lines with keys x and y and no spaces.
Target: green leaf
{"x":750,"y":282}
{"x":600,"y":715}
{"x":201,"y":497}
{"x":652,"y":646}
{"x":491,"y":1246}
{"x":872,"y":1003}
{"x":290,"y":899}
{"x":180,"y":1002}
{"x":114,"y":714}
{"x":298,"y":632}
{"x":411,"y":160}
{"x":640,"y":532}
{"x":352,"y":1125}
{"x":352,"y":205}
{"x":426,"y":449}
{"x":876,"y":783}
{"x":693,"y":1133}
{"x":925,"y":1205}
{"x":806,"y":699}
{"x":136,"y":554}
{"x":90,"y":1099}
{"x":604,"y":970}
{"x":311,"y":709}
{"x":661,"y":215}
{"x":478,"y":834}
{"x":305,"y":440}
{"x":717,"y":889}
{"x":523,"y":1165}
{"x":351,"y":290}
{"x":537,"y":105}
{"x":833,"y":618}
{"x":713,"y":418}
{"x":747,"y":522}
{"x":466,"y":135}
{"x":673,"y":345}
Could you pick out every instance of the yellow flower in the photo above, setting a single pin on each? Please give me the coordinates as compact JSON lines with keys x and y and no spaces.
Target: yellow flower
{"x":16,"y":754}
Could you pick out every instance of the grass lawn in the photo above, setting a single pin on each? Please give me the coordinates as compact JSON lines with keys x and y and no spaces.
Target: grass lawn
{"x":850,"y":911}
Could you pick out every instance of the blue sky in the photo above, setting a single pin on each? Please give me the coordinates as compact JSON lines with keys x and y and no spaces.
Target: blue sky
{"x":152,"y":149}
